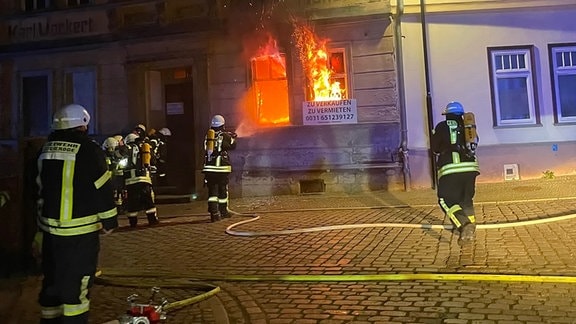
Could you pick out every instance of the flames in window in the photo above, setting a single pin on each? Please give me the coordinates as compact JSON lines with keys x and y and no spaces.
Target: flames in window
{"x":324,"y":71}
{"x":270,"y":85}
{"x":319,"y":65}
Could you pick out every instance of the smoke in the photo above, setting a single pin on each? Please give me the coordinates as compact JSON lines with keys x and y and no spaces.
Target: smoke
{"x":255,"y":22}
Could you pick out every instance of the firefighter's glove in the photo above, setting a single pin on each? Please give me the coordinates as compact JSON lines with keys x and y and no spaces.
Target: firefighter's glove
{"x":37,"y":245}
{"x":234,"y":135}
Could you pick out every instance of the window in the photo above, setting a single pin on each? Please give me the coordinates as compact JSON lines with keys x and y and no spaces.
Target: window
{"x":512,"y":85}
{"x":338,"y":75}
{"x":326,"y":75}
{"x":32,"y":5}
{"x":81,"y":89}
{"x":76,"y":3}
{"x":271,"y":89}
{"x":563,"y":76}
{"x":36,"y":103}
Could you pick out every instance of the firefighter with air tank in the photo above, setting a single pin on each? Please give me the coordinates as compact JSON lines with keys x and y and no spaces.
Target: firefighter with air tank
{"x":139,"y":192}
{"x":454,"y":142}
{"x":217,"y":167}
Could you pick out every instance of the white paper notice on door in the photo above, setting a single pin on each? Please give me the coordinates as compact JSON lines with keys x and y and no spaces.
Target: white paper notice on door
{"x":174,"y":108}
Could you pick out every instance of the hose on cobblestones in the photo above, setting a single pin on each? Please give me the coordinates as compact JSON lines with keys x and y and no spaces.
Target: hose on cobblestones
{"x":134,"y":279}
{"x":187,"y":280}
{"x":254,"y":217}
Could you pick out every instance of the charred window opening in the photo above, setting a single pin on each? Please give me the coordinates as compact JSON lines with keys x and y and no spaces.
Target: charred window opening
{"x":271,"y":89}
{"x":339,"y":76}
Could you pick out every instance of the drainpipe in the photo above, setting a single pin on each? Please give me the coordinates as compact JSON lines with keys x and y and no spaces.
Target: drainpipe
{"x":401,"y":94}
{"x":428,"y":93}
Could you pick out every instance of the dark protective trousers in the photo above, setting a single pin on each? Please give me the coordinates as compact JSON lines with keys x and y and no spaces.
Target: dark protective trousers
{"x":217,"y":183}
{"x":455,"y":197}
{"x":140,"y":196}
{"x":69,"y":265}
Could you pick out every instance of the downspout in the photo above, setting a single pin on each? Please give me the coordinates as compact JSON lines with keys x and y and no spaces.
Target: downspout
{"x":428,"y":93}
{"x":401,"y":94}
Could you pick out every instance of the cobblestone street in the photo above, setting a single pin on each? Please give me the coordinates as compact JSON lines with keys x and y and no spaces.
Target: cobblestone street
{"x":187,"y":247}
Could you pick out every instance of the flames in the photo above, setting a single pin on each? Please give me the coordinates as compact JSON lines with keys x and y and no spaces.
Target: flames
{"x":269,"y":80}
{"x":270,"y":86}
{"x":315,"y":60}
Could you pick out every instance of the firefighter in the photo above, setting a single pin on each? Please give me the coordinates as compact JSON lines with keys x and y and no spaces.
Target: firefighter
{"x":138,"y":184}
{"x":159,"y":141}
{"x":74,"y":204}
{"x":457,"y":170}
{"x":117,"y":159}
{"x":140,"y":130}
{"x":217,"y":167}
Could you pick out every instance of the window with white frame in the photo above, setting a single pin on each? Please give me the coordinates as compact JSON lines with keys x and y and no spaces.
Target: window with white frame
{"x":32,"y":5}
{"x":512,"y":85}
{"x":563,"y":74}
{"x":81,"y":89}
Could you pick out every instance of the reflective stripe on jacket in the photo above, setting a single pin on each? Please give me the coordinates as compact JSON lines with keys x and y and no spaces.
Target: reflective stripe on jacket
{"x":75,"y":192}
{"x":218,"y":160}
{"x":449,"y":144}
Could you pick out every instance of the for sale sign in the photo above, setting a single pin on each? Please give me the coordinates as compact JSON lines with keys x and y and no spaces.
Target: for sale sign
{"x":329,"y":112}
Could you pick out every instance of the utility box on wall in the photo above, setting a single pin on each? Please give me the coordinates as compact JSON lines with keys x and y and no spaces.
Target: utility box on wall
{"x":511,"y":172}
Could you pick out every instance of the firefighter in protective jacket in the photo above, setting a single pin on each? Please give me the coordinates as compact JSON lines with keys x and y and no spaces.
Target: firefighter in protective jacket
{"x":75,"y":202}
{"x":139,"y":192}
{"x":116,"y":160}
{"x":457,"y":169}
{"x":217,"y":167}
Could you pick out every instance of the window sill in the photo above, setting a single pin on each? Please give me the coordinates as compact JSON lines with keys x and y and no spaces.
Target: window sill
{"x":565,"y":123}
{"x":517,"y":126}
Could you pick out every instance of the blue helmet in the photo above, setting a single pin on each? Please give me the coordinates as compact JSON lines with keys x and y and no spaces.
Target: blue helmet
{"x":454,"y":107}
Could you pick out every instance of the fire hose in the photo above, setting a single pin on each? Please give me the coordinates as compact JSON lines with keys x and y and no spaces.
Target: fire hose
{"x":183,"y":280}
{"x":230,"y":231}
{"x":152,"y":312}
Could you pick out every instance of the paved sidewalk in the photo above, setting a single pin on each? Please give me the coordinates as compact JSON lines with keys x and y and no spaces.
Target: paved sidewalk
{"x":189,"y":246}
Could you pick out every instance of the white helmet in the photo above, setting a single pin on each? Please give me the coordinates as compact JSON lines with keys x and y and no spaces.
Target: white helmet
{"x":70,"y":116}
{"x":142,"y":127}
{"x":130,"y":138}
{"x":217,"y":121}
{"x":165,"y":131}
{"x":120,"y":139}
{"x":110,"y":144}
